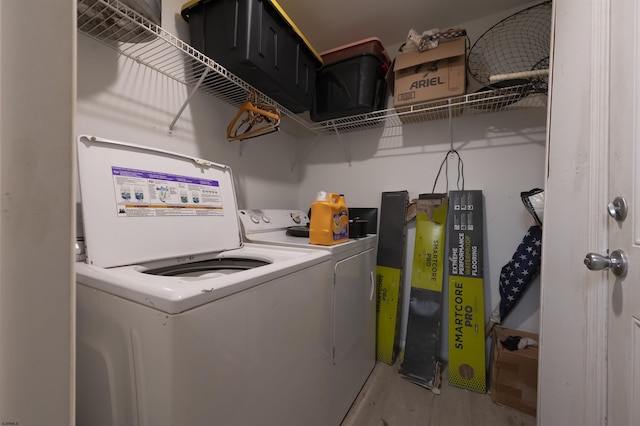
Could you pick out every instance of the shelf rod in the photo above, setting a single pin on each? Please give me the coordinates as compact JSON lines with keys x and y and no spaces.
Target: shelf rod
{"x":305,"y":153}
{"x":450,"y":127}
{"x":345,"y":147}
{"x":186,"y":102}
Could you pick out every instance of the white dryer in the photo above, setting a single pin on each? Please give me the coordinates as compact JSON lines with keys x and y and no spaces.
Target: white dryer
{"x":179,"y":322}
{"x":353,"y":299}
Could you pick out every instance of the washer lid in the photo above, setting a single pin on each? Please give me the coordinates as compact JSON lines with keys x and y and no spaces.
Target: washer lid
{"x":141,"y":204}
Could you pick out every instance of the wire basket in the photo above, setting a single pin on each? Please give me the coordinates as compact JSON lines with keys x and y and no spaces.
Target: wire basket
{"x":515,"y":51}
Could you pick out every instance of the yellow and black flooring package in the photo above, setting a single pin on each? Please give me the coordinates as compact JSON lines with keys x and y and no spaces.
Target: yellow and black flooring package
{"x":467,"y":368}
{"x":421,"y":363}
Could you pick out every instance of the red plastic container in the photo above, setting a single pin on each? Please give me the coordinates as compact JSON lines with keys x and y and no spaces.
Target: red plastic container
{"x":370,"y":46}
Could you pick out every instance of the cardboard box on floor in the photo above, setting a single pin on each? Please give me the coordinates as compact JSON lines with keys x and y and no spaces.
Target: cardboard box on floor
{"x":514,"y":374}
{"x":433,"y":74}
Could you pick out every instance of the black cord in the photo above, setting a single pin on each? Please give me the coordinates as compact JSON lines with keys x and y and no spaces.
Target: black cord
{"x":446,"y":164}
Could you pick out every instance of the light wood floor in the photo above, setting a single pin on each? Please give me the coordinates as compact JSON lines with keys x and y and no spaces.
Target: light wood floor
{"x":389,"y":400}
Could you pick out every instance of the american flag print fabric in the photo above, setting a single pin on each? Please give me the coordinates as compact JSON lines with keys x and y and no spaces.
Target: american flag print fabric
{"x":516,"y":275}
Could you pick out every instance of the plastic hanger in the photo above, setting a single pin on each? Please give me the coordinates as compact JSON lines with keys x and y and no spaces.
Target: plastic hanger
{"x":253,"y":119}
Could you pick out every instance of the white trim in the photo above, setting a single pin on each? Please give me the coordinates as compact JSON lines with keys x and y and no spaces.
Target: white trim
{"x":573,"y":389}
{"x":635,"y":203}
{"x":37,"y":316}
{"x":597,"y":289}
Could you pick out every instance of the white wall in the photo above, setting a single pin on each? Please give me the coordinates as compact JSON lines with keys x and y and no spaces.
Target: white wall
{"x":37,"y":126}
{"x":122,"y":100}
{"x":503,"y":155}
{"x":37,"y":298}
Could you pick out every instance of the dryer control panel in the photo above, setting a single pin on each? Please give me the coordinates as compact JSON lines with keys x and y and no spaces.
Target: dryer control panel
{"x":255,"y":221}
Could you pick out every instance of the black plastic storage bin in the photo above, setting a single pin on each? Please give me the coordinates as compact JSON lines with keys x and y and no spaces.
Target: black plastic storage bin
{"x":256,"y":40}
{"x":352,"y":86}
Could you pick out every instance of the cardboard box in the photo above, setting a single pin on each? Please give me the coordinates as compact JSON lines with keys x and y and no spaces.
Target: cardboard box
{"x":514,"y":374}
{"x":433,"y":74}
{"x":467,"y":368}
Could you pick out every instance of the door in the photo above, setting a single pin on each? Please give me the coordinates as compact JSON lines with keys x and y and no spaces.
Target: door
{"x":354,"y":328}
{"x":37,"y":205}
{"x":572,"y":370}
{"x":354,"y":310}
{"x":624,"y":155}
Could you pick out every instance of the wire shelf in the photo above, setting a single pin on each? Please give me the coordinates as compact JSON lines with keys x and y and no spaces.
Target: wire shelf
{"x":114,"y":24}
{"x":513,"y":98}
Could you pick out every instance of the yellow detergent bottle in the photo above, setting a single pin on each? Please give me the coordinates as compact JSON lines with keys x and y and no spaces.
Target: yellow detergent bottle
{"x":329,"y":220}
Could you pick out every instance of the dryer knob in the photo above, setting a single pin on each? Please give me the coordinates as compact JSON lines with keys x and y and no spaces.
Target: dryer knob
{"x":295,"y":217}
{"x":255,"y":219}
{"x":266,"y":219}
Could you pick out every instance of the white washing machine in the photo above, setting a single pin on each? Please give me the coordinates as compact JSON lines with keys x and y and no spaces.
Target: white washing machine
{"x":179,"y":322}
{"x":353,"y":298}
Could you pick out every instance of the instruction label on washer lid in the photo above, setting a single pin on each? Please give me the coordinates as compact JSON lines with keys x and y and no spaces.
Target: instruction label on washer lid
{"x":151,"y":193}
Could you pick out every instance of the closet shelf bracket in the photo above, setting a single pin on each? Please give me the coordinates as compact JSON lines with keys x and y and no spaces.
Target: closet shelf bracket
{"x":188,"y":100}
{"x":345,"y":146}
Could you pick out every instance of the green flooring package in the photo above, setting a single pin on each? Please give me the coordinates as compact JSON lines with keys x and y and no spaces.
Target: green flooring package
{"x":467,"y":367}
